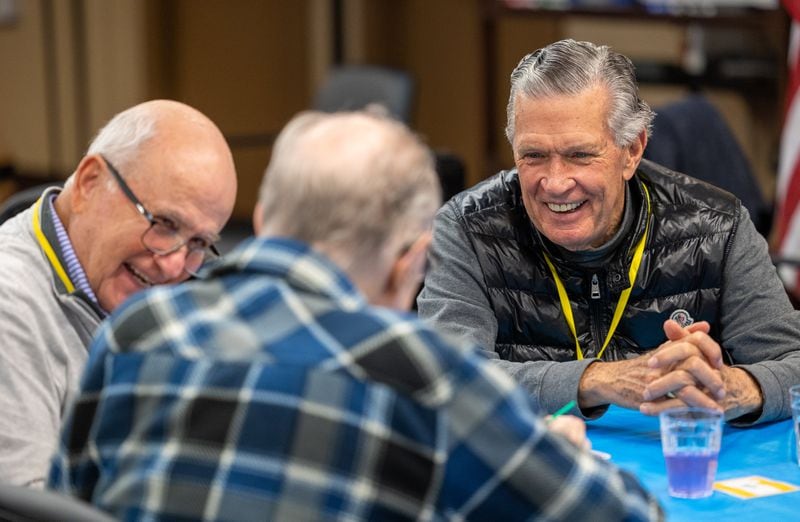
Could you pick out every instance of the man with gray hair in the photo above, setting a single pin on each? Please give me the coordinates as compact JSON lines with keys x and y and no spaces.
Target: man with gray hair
{"x":282,"y":387}
{"x":592,"y":275}
{"x":143,"y":207}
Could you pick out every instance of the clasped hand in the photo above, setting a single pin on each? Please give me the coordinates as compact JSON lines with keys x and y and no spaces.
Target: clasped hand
{"x":687,"y":370}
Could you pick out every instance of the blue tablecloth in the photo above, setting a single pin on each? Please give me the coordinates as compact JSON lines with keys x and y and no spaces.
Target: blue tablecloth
{"x":634,"y":442}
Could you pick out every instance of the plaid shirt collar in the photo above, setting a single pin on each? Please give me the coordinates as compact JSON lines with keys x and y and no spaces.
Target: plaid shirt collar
{"x":296,"y":262}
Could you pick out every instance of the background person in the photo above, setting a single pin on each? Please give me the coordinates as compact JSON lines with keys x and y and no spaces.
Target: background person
{"x":577,"y":269}
{"x":282,"y":386}
{"x":142,"y":208}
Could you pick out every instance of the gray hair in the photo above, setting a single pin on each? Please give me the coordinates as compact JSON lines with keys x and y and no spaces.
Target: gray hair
{"x":354,"y":184}
{"x":121,"y":139}
{"x":568,"y":68}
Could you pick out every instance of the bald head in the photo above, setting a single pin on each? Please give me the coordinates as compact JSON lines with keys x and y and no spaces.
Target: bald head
{"x":356,"y":186}
{"x":150,"y":123}
{"x":178,"y":166}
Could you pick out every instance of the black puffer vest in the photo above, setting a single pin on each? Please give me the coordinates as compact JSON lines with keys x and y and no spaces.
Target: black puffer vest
{"x":690,"y":234}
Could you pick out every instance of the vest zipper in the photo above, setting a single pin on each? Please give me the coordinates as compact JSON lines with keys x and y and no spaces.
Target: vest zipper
{"x":595,"y":315}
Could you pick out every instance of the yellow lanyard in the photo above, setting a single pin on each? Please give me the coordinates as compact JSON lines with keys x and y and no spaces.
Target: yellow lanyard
{"x":623,"y":298}
{"x":48,"y":250}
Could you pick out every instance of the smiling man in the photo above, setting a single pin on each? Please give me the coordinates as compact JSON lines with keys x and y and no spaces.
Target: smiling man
{"x":143,"y":207}
{"x":592,"y":275}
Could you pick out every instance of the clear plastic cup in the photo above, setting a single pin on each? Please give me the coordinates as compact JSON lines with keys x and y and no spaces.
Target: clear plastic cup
{"x":794,"y":398}
{"x":690,"y":440}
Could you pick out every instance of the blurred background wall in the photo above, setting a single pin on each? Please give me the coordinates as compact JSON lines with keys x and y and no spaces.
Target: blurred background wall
{"x":66,"y":66}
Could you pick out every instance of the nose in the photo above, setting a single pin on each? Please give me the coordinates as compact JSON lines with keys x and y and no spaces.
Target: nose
{"x":558,"y":179}
{"x":172,"y":265}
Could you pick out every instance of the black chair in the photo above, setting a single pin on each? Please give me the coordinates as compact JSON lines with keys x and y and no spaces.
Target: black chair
{"x":354,"y":87}
{"x":23,"y":199}
{"x":19,"y":504}
{"x":691,"y":136}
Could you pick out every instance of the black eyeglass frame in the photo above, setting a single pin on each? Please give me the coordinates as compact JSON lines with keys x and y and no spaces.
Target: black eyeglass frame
{"x":147,"y":214}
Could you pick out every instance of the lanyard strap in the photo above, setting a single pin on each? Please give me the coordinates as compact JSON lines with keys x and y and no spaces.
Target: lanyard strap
{"x":623,"y":298}
{"x":48,"y":250}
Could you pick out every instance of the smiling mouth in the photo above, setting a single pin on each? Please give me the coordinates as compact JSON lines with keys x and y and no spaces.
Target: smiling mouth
{"x":143,"y":279}
{"x":563,"y":208}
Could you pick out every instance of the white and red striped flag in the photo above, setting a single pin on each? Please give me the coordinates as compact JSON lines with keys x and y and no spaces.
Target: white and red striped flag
{"x":787,"y":197}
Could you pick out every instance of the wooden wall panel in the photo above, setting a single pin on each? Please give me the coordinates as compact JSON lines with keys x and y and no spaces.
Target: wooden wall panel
{"x":245,"y":64}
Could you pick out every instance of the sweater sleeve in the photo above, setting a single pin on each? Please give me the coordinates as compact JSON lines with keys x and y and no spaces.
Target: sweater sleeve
{"x":455,"y":302}
{"x":759,"y":327}
{"x":454,"y":298}
{"x":31,"y":391}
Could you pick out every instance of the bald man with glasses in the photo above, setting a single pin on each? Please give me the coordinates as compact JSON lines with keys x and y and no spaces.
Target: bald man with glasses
{"x":143,"y":207}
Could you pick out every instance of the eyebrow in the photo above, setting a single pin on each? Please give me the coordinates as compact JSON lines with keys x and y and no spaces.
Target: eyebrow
{"x":175,"y":218}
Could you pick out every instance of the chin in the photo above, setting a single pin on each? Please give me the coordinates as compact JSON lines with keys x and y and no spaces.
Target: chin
{"x":110,"y":304}
{"x":570,"y":243}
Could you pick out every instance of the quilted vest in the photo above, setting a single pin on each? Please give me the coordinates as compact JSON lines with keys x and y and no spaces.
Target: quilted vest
{"x":690,"y":232}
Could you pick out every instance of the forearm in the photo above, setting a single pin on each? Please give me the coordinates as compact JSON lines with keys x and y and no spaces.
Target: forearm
{"x":530,"y":469}
{"x":743,"y":398}
{"x":549,"y":384}
{"x":773,"y":379}
{"x":760,"y":329}
{"x":619,"y":382}
{"x":454,"y":299}
{"x":30,"y":404}
{"x":27,"y":439}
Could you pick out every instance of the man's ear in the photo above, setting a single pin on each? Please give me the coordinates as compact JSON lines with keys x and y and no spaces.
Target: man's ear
{"x":406,"y":274}
{"x":635,"y":153}
{"x":87,"y":179}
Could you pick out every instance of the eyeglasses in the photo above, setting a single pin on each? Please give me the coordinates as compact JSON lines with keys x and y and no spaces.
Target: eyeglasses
{"x":162,"y":237}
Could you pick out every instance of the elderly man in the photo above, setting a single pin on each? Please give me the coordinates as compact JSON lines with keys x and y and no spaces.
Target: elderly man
{"x":592,"y":275}
{"x":282,"y":387}
{"x":143,"y":207}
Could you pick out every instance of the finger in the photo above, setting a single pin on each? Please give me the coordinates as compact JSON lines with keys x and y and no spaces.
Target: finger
{"x":570,"y":427}
{"x":692,"y":372}
{"x":697,"y":398}
{"x":681,"y":384}
{"x":674,"y":331}
{"x":667,"y":385}
{"x":656,"y":407}
{"x":696,"y":343}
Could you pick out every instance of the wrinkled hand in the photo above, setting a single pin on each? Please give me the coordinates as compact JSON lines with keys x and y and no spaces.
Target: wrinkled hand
{"x":687,"y":370}
{"x":679,"y":367}
{"x":617,"y":382}
{"x":572,"y":428}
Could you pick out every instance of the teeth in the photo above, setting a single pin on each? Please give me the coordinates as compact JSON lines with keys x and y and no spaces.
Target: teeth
{"x":141,"y":277}
{"x":563,"y":207}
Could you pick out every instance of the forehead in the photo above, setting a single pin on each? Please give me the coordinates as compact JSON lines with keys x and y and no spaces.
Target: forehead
{"x":584,"y":114}
{"x":191,"y":191}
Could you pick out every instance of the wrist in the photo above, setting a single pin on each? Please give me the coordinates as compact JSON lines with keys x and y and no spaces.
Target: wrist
{"x":593,"y":386}
{"x":743,"y":394}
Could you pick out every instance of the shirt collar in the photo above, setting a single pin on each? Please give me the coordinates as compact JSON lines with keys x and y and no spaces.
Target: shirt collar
{"x":295,"y":262}
{"x":74,"y":269}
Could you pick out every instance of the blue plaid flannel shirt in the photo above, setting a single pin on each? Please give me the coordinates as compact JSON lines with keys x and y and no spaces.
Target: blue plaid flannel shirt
{"x":271,"y":390}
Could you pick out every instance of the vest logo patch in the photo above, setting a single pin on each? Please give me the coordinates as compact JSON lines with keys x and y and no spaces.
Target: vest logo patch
{"x":682,"y":317}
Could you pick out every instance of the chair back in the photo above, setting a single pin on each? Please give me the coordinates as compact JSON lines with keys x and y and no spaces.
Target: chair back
{"x":692,"y":137}
{"x":20,"y":504}
{"x":354,"y":87}
{"x":23,"y":199}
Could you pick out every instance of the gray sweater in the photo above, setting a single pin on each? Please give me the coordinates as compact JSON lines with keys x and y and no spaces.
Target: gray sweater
{"x":761,"y":330}
{"x":44,"y":332}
